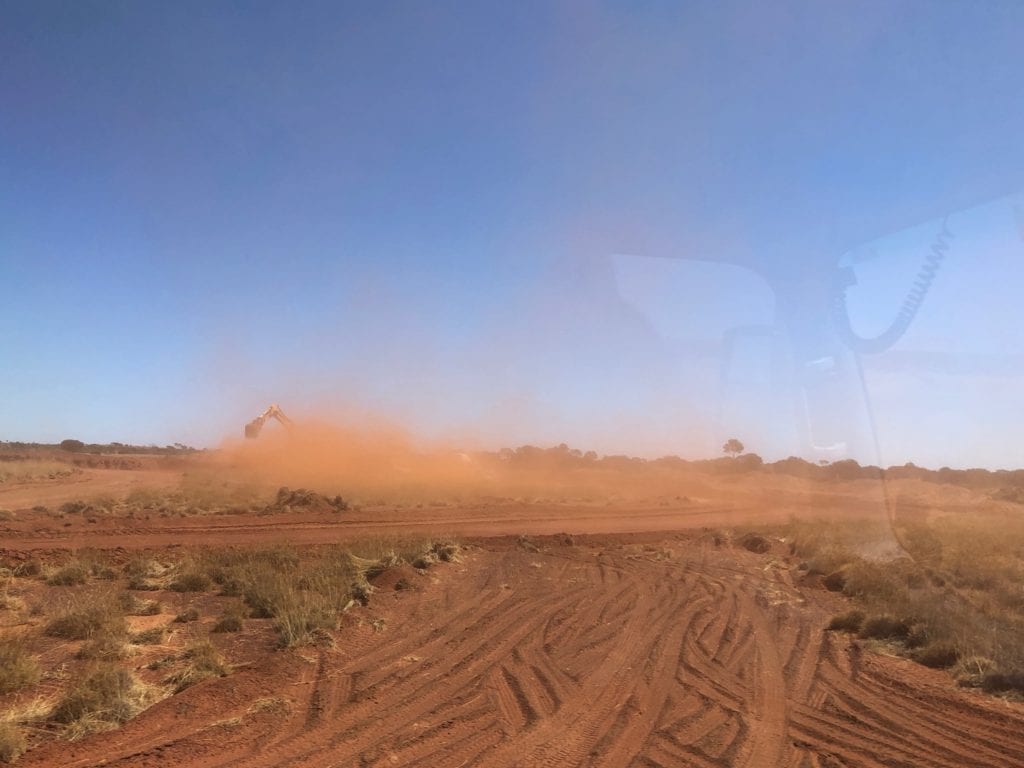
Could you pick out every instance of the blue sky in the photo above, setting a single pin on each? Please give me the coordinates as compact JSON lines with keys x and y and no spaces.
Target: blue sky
{"x":529,"y":222}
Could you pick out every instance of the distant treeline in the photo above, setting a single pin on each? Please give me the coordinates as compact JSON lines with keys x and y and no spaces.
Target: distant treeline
{"x":565,"y":457}
{"x":77,"y":446}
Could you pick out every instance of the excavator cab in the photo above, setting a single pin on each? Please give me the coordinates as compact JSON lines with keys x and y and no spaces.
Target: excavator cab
{"x":253,"y":428}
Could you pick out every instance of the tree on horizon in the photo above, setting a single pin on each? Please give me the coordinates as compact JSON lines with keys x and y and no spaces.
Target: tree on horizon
{"x":733,"y":447}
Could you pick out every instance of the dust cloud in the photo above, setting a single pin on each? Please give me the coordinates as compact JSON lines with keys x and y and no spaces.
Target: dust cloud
{"x":373,"y":459}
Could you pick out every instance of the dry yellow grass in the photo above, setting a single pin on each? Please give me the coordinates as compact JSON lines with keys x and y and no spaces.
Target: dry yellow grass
{"x":956,"y":594}
{"x":18,"y":668}
{"x":31,"y":470}
{"x":106,"y":696}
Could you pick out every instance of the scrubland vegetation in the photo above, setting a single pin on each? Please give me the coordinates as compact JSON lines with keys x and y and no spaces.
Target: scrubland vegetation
{"x":32,"y":470}
{"x":170,"y":610}
{"x":952,"y":597}
{"x":195,"y":496}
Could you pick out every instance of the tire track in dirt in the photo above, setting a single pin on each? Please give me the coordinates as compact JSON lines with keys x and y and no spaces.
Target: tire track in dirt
{"x":579,"y":656}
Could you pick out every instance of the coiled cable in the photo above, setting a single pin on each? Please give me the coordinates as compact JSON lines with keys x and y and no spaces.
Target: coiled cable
{"x":908,"y":311}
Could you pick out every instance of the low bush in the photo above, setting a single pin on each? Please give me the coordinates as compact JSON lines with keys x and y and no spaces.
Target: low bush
{"x":998,"y":681}
{"x":828,"y":561}
{"x":835,"y":581}
{"x":938,"y":655}
{"x":884,"y":628}
{"x":851,"y":621}
{"x":69,"y":575}
{"x":85,"y":616}
{"x":186,"y":616}
{"x":28,"y":568}
{"x":971,"y":671}
{"x":756,"y":543}
{"x":108,"y":645}
{"x":191,"y":581}
{"x":135,"y":606}
{"x":105,"y":696}
{"x":874,"y":581}
{"x":230,"y":621}
{"x":9,"y":602}
{"x":143,"y":574}
{"x":151,"y":636}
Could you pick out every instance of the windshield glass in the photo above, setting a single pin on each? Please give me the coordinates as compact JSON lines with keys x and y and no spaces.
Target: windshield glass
{"x":531,"y":384}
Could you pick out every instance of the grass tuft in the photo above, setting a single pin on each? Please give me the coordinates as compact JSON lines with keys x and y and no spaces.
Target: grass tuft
{"x":230,"y":621}
{"x":938,"y":655}
{"x":191,"y":581}
{"x":70,"y":575}
{"x":104,"y":697}
{"x":105,"y":646}
{"x":756,"y":543}
{"x":186,"y":616}
{"x":884,"y":628}
{"x":136,"y":606}
{"x":86,"y":616}
{"x":18,"y":668}
{"x":12,"y":742}
{"x":1003,"y":682}
{"x":151,"y":636}
{"x":202,"y":662}
{"x":851,"y":621}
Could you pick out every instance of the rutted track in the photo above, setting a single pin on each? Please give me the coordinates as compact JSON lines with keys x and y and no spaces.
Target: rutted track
{"x":608,"y":653}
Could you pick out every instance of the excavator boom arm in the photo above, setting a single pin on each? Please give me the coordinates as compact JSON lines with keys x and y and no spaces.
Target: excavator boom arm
{"x":253,"y":428}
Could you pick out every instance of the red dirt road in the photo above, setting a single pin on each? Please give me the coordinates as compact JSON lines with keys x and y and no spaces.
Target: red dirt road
{"x":639,"y":644}
{"x":34,"y":531}
{"x":616,"y":651}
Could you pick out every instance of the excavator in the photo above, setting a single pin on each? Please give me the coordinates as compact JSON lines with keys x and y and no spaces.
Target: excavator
{"x":252,"y":429}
